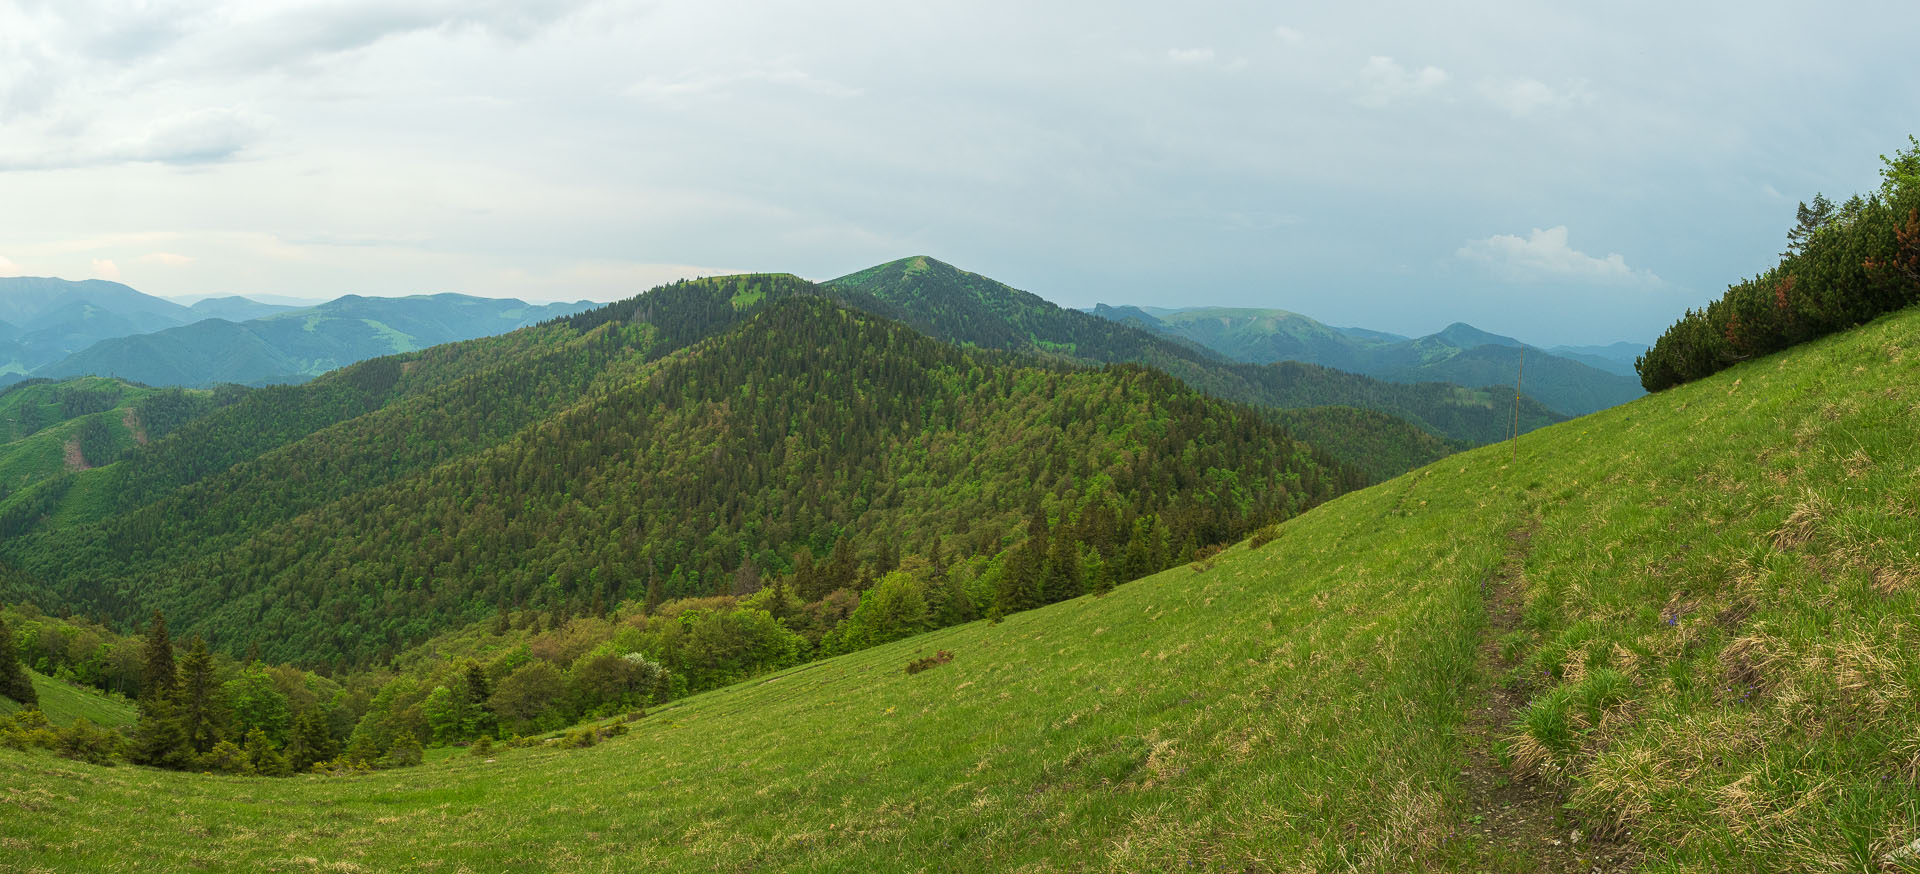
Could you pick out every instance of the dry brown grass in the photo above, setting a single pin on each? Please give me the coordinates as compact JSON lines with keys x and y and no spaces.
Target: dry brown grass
{"x":1803,"y":523}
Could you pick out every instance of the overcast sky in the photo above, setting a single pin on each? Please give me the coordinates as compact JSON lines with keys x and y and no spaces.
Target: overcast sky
{"x":1568,"y":173}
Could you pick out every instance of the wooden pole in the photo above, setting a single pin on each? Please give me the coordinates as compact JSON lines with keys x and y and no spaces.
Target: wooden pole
{"x":1514,"y":442}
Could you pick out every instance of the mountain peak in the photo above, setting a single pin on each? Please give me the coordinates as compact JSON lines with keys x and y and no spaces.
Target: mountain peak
{"x":1467,"y":336}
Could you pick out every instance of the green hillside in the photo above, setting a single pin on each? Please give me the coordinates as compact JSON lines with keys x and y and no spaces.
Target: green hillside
{"x":1460,"y":354}
{"x":51,"y":430}
{"x":594,"y":461}
{"x":63,"y":702}
{"x":286,"y":345}
{"x":967,"y":308}
{"x":1672,"y":636}
{"x":1382,"y":446}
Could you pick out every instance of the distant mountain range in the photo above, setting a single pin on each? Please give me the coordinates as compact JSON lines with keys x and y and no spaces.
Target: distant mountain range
{"x":57,"y":328}
{"x":1318,"y":402}
{"x":1570,"y":380}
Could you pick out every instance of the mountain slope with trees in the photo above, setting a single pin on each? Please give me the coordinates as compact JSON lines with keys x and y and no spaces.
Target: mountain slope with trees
{"x":666,"y":447}
{"x":42,"y":318}
{"x":294,"y":345}
{"x":1460,"y":353}
{"x":1694,"y":611}
{"x":1845,"y":264}
{"x":967,"y":308}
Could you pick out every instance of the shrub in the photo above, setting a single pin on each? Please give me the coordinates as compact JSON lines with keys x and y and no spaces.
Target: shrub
{"x":932,"y":661}
{"x":482,"y":747}
{"x":89,"y":743}
{"x":406,"y":752}
{"x":226,"y":758}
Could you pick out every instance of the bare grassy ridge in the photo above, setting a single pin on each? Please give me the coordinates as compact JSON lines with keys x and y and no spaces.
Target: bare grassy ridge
{"x":1717,"y":646}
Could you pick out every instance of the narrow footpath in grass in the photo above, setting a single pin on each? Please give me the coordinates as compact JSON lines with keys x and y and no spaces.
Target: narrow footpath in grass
{"x":1521,"y":821}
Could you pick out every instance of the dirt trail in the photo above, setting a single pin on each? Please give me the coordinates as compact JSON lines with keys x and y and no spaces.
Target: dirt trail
{"x":1521,"y":820}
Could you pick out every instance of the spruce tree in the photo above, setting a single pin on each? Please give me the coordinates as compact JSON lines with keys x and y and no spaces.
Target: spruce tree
{"x":1020,"y":579}
{"x":160,"y":677}
{"x":1063,"y":577}
{"x":158,"y":739}
{"x":479,"y":712}
{"x":14,"y":681}
{"x":199,"y":717}
{"x":656,"y":594}
{"x":312,"y":740}
{"x":263,"y":758}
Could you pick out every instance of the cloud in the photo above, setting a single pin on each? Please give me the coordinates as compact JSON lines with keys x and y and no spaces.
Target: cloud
{"x":1523,"y":96}
{"x":1203,"y":57}
{"x":206,"y":136}
{"x":7,"y":267}
{"x":167,"y":258}
{"x":1383,"y":82}
{"x":203,"y":137}
{"x":104,"y":268}
{"x":316,"y":29}
{"x":1289,"y":36}
{"x":1545,"y":255}
{"x":701,"y":83}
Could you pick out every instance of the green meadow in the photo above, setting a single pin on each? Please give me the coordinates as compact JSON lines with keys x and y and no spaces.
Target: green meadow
{"x":1715,"y":659}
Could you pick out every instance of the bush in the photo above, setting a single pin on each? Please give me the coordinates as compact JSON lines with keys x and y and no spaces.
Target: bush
{"x":406,"y":752}
{"x":1846,"y":265}
{"x":86,"y":742}
{"x":932,"y":661}
{"x":226,"y":758}
{"x":28,"y":730}
{"x":482,"y":747}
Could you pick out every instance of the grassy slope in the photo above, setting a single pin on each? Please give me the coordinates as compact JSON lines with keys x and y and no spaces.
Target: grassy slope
{"x":1730,"y":563}
{"x":62,"y":702}
{"x":32,"y":458}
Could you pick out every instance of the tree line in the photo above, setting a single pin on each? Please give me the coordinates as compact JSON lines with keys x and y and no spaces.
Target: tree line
{"x":1844,"y":265}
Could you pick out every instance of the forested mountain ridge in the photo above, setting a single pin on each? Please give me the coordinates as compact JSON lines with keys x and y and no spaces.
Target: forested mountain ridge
{"x":49,"y":429}
{"x":43,"y":318}
{"x":1460,"y":353}
{"x":963,"y":307}
{"x":666,"y":442}
{"x":284,"y":345}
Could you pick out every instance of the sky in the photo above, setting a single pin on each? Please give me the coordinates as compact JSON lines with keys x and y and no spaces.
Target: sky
{"x":1565,"y":173}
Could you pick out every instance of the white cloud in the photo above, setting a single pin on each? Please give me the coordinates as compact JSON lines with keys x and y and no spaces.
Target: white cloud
{"x":1289,"y":36}
{"x":200,"y":137}
{"x":1383,"y":81}
{"x":205,"y":136}
{"x":1204,"y":57}
{"x":104,"y":268}
{"x":7,"y":267}
{"x":167,"y":258}
{"x":701,"y":83}
{"x":1523,"y":96}
{"x":1545,"y":255}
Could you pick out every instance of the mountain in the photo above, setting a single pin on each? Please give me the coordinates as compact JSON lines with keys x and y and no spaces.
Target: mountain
{"x":1676,"y":635}
{"x":236,"y":309}
{"x":1459,"y":354}
{"x":955,"y":305}
{"x":42,"y":319}
{"x":48,"y":429}
{"x":1612,"y":358}
{"x":1259,"y":335}
{"x":663,"y":446}
{"x":293,"y":345}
